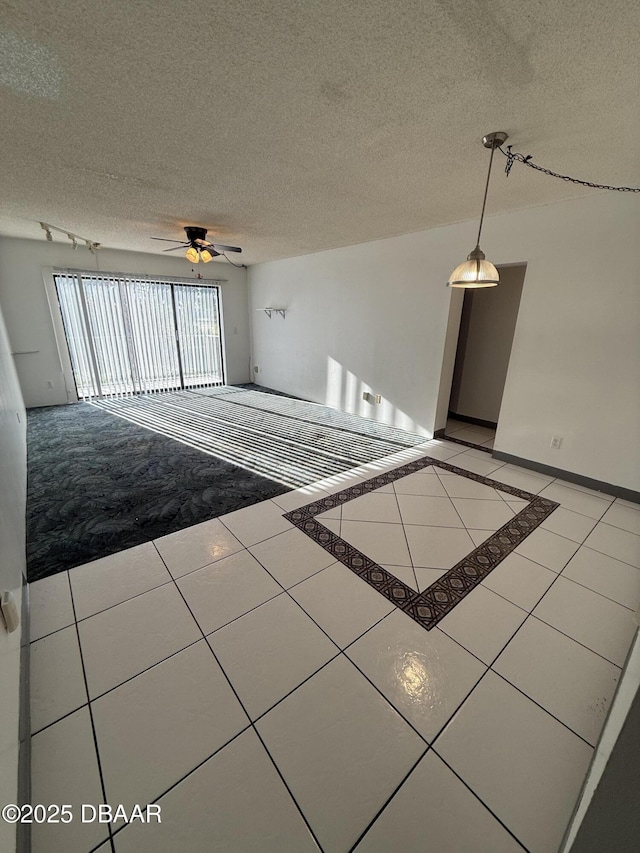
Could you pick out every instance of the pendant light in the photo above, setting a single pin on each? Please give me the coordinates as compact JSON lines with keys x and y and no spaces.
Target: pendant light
{"x":192,"y":255}
{"x":476,"y":271}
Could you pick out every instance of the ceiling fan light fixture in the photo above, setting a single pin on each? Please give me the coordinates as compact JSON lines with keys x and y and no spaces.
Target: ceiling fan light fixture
{"x":205,"y":256}
{"x":192,"y":255}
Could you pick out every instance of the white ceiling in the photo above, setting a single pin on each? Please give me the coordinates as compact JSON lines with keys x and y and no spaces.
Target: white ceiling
{"x":290,"y":126}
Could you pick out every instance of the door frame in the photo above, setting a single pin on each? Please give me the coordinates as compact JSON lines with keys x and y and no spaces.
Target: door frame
{"x":451,"y":348}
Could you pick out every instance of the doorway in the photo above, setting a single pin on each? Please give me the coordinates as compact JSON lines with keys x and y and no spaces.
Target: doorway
{"x":485,"y":338}
{"x":130,"y":335}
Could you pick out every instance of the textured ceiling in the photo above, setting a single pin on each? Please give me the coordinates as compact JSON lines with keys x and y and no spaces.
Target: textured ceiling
{"x":290,"y":126}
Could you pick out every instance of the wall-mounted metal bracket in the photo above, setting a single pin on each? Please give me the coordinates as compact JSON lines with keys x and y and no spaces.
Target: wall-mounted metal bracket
{"x":269,"y":311}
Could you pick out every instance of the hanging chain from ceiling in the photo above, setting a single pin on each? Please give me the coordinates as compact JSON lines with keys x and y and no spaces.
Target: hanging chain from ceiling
{"x":512,"y":156}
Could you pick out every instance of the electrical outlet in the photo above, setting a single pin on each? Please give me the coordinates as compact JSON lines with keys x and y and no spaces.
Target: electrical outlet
{"x":256,"y":369}
{"x":556,"y":441}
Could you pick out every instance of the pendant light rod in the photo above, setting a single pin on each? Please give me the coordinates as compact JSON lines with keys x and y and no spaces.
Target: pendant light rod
{"x":492,"y":141}
{"x":484,"y":200}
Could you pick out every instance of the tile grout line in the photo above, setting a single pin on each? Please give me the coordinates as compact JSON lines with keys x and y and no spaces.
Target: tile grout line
{"x":534,"y":616}
{"x":560,"y":631}
{"x":502,"y":650}
{"x":173,"y":654}
{"x":477,"y":796}
{"x":193,"y":770}
{"x":430,"y":746}
{"x":597,"y":519}
{"x":146,"y":669}
{"x":206,"y":637}
{"x":604,"y":554}
{"x":388,"y":800}
{"x":617,"y":527}
{"x":118,"y":603}
{"x":584,"y":586}
{"x":515,"y":687}
{"x":251,"y":723}
{"x":404,"y":532}
{"x":91,"y":719}
{"x":464,"y":526}
{"x":341,"y":651}
{"x":535,"y":702}
{"x":59,"y":719}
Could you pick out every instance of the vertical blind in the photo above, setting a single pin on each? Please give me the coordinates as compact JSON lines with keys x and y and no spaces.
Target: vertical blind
{"x":129,"y":335}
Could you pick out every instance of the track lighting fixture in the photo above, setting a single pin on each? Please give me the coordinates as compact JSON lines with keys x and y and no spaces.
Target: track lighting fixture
{"x":90,"y":244}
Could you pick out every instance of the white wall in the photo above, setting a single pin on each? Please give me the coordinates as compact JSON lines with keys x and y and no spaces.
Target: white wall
{"x":28,"y":318}
{"x":370,"y":317}
{"x":374,"y":317}
{"x":13,"y":485}
{"x":484,"y":346}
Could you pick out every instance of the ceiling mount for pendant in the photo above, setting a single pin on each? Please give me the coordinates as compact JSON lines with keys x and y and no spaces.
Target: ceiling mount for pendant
{"x":495,"y":139}
{"x":476,"y":271}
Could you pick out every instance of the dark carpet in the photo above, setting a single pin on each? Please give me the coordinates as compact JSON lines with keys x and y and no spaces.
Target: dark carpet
{"x":99,"y":483}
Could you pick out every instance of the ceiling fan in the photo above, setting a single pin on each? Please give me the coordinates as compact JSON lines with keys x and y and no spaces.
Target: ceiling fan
{"x":198,"y":247}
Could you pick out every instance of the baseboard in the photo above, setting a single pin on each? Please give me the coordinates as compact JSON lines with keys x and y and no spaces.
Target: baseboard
{"x":23,"y":830}
{"x":469,"y":420}
{"x":439,"y":433}
{"x":570,"y":477}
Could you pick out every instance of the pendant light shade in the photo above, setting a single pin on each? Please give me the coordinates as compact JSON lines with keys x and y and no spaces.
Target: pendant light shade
{"x":205,"y":256}
{"x":192,"y":255}
{"x":476,"y":271}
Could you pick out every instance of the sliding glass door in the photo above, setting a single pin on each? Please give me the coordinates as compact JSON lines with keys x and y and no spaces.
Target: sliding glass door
{"x":130,"y":336}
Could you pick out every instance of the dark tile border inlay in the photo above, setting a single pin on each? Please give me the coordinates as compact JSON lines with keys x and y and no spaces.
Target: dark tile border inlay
{"x":466,"y":443}
{"x":433,"y":604}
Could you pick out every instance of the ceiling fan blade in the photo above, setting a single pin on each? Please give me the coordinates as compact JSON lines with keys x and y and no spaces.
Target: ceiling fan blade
{"x":175,"y":248}
{"x":165,"y":240}
{"x":226,"y":248}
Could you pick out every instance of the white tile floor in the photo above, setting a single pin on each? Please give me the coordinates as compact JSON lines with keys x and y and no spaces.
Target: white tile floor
{"x":269,"y":700}
{"x":470,"y":432}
